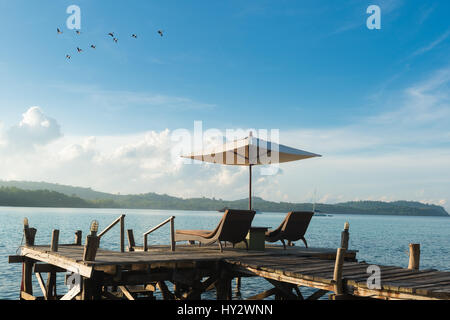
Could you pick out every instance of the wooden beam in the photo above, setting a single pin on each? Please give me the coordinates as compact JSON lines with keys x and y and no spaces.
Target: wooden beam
{"x":45,"y":267}
{"x":223,"y":288}
{"x":16,"y":259}
{"x":337,"y":275}
{"x":319,"y":284}
{"x":59,"y":261}
{"x":263,"y":295}
{"x":41,"y":284}
{"x":110,"y":226}
{"x":26,"y":296}
{"x":167,"y":295}
{"x":72,"y":293}
{"x":284,"y":289}
{"x":126,"y":292}
{"x":316,"y":295}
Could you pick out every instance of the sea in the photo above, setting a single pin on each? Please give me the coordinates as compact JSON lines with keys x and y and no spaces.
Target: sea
{"x":379,"y":239}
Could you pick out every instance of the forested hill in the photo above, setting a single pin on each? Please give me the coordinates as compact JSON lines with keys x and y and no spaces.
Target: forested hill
{"x":27,"y":194}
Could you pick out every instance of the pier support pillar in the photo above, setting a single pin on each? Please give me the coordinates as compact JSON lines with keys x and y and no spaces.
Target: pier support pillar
{"x":414,"y":256}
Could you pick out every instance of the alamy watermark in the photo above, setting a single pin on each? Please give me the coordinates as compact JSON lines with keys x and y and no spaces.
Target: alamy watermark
{"x":73,"y":22}
{"x":374,"y":20}
{"x":230,"y":147}
{"x":374,"y":280}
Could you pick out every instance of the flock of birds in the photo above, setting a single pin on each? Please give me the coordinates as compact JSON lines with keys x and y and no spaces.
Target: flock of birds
{"x":111,"y":34}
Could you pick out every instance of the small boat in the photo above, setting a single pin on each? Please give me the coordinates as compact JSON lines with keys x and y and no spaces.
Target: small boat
{"x":322,"y":215}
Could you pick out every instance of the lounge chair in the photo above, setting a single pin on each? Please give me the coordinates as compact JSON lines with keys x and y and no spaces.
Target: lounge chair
{"x":233,"y":228}
{"x":292,"y":228}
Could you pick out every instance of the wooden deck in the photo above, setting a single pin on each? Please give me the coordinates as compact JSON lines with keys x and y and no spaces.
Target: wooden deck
{"x":294,"y":267}
{"x":190,"y":270}
{"x":396,"y":282}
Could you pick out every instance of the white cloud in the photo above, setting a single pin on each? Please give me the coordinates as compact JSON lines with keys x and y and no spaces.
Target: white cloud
{"x":35,"y":128}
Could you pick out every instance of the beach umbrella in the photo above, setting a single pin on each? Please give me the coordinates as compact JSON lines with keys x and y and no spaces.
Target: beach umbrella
{"x":250,"y":151}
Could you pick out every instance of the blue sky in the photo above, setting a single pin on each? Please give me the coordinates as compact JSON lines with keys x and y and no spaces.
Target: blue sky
{"x":309,"y":68}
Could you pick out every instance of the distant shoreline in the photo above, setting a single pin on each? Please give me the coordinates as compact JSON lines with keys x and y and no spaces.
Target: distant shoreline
{"x":47,"y":195}
{"x":199,"y":210}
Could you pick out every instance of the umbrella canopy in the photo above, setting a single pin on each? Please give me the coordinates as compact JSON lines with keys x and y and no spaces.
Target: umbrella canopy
{"x":250,"y":151}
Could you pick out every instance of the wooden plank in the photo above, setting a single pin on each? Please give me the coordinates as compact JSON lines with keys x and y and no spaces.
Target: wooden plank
{"x":126,"y":292}
{"x":41,"y":284}
{"x":58,"y":260}
{"x":16,"y":259}
{"x":326,"y":285}
{"x":45,"y":267}
{"x":284,"y":289}
{"x":26,"y":296}
{"x":380,"y":294}
{"x":167,"y":295}
{"x":263,"y":295}
{"x":337,"y":275}
{"x":110,"y":226}
{"x":72,"y":293}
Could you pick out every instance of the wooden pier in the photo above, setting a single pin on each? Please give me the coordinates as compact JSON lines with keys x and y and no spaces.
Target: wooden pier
{"x":188,"y":271}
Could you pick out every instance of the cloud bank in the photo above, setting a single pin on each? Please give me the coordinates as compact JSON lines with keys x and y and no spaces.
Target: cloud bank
{"x":401,"y":153}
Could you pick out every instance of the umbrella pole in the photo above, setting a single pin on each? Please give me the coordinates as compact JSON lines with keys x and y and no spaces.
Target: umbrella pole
{"x":250,"y":188}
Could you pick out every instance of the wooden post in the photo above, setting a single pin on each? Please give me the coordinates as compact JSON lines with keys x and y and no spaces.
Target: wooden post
{"x":92,"y":287}
{"x":131,"y":243}
{"x":223,"y":286}
{"x":339,"y":264}
{"x":345,"y":236}
{"x":250,"y":188}
{"x":414,"y":256}
{"x":51,"y":277}
{"x":145,"y":243}
{"x":27,"y":266}
{"x":337,"y":276}
{"x":172,"y":234}
{"x":29,"y":233}
{"x":90,"y":248}
{"x":78,"y":235}
{"x":122,"y":233}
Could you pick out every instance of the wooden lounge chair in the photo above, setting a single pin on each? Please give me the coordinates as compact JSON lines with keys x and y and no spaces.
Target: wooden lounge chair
{"x":233,"y":228}
{"x":292,"y":228}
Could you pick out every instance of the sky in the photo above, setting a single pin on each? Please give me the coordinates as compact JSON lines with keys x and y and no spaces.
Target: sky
{"x":373,"y":102}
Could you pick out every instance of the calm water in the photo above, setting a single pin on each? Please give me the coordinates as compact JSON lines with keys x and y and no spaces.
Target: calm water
{"x":379,"y":239}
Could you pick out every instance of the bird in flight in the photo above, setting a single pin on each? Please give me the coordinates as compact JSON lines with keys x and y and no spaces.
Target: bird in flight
{"x":59,"y":31}
{"x":67,"y":56}
{"x":134,"y":36}
{"x":115,"y":40}
{"x":160,"y":32}
{"x":111,"y":34}
{"x":93,"y":46}
{"x":77,"y":31}
{"x":79,"y":50}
